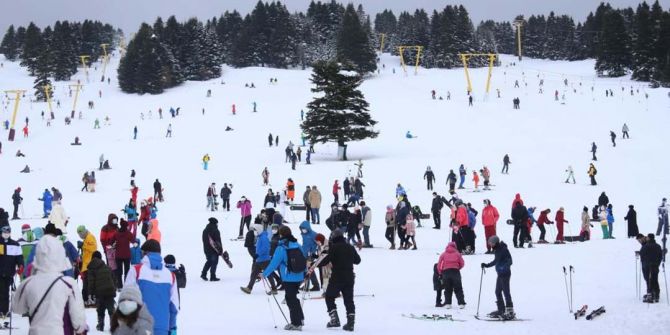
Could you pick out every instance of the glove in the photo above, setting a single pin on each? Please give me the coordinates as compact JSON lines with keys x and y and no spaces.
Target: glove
{"x":80,"y":244}
{"x":173,"y":331}
{"x":483,"y":265}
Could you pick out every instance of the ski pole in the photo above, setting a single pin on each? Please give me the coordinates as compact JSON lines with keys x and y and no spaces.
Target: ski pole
{"x":572,"y":270}
{"x":665,"y":279}
{"x":570,"y":229}
{"x":479,"y":299}
{"x":269,"y":293}
{"x":567,"y":294}
{"x":637,"y":285}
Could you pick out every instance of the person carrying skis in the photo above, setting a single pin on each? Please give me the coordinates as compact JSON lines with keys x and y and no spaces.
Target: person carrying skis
{"x":571,"y":175}
{"x":631,"y":217}
{"x":429,"y":176}
{"x":560,"y":220}
{"x":462,"y":172}
{"x":451,"y":181}
{"x":592,"y":174}
{"x":506,"y":163}
{"x":594,"y":148}
{"x":490,"y":218}
{"x":449,"y":267}
{"x":342,"y":257}
{"x":211,"y":244}
{"x":651,"y":256}
{"x":287,"y":255}
{"x":503,"y":266}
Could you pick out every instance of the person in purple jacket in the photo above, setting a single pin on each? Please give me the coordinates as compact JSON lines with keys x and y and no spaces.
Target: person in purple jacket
{"x":245,"y":212}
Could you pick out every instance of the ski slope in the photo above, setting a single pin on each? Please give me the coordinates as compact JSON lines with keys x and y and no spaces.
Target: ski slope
{"x":542,"y":139}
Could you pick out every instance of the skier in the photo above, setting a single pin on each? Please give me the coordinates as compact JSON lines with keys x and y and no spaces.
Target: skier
{"x":631,"y":217}
{"x":225,"y":196}
{"x":486,"y":174}
{"x":506,"y":163}
{"x":135,"y":133}
{"x":245,"y":215}
{"x":475,"y":179}
{"x":211,"y":197}
{"x":651,"y":256}
{"x":261,"y":261}
{"x":594,"y":148}
{"x":662,"y":218}
{"x":211,"y":243}
{"x":343,"y":257}
{"x":205,"y":161}
{"x":429,"y":176}
{"x":266,"y":176}
{"x":541,"y":221}
{"x":490,"y":218}
{"x":520,"y":219}
{"x":560,"y":220}
{"x":169,"y":131}
{"x":291,"y":278}
{"x":451,"y":181}
{"x":503,"y":264}
{"x":449,"y":267}
{"x":462,"y":172}
{"x":592,"y":174}
{"x":571,"y":175}
{"x":309,"y":249}
{"x":613,"y":138}
{"x":624,"y":130}
{"x":16,"y":201}
{"x":46,"y":198}
{"x":270,"y":140}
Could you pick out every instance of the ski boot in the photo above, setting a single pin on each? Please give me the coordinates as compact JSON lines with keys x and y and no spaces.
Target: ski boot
{"x":648,"y":298}
{"x":509,"y":314}
{"x":495,"y":314}
{"x":101,"y":325}
{"x":245,"y":289}
{"x":655,"y":297}
{"x":204,"y":276}
{"x":334,"y":319}
{"x":291,"y":326}
{"x":447,"y":306}
{"x":351,"y":319}
{"x":461,"y":306}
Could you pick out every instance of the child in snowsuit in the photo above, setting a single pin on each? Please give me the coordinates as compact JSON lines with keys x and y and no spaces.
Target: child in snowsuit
{"x":450,"y":265}
{"x":390,"y":226}
{"x":410,"y":232}
{"x":437,"y":286}
{"x":101,"y":285}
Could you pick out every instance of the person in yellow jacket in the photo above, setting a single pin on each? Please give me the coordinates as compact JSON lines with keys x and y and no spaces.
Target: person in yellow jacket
{"x":88,"y":246}
{"x":205,"y":161}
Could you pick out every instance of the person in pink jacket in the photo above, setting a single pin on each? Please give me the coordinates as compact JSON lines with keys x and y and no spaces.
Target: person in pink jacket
{"x":490,"y":217}
{"x":449,"y":266}
{"x":410,"y":232}
{"x":245,"y":215}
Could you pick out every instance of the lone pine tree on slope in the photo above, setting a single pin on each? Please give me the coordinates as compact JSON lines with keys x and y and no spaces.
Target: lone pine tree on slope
{"x":341,"y":113}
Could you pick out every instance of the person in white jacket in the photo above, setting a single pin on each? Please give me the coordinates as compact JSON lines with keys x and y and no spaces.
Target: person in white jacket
{"x":46,"y":294}
{"x":58,"y":217}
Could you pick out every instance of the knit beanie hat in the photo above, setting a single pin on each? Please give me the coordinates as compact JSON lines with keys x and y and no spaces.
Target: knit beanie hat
{"x":151,"y":246}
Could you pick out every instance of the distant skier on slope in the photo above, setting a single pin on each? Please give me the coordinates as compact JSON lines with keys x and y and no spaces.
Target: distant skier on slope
{"x":429,"y":176}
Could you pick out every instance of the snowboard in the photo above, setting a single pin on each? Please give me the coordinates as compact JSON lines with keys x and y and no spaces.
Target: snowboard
{"x":581,"y":312}
{"x":432,"y":317}
{"x":595,"y":313}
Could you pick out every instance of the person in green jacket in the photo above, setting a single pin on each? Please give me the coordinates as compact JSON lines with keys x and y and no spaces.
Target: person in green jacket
{"x":101,"y":285}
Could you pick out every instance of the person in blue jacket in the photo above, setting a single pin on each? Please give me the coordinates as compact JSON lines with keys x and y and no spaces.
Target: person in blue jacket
{"x":262,"y":260}
{"x":47,"y":199}
{"x":462,"y":172}
{"x":291,"y":280}
{"x":503,"y":264}
{"x":310,"y":249}
{"x":610,"y":220}
{"x":135,"y":252}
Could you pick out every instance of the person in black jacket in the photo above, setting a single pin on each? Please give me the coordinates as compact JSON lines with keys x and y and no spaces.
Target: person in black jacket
{"x":16,"y":201}
{"x":436,"y":209}
{"x":603,"y":200}
{"x":429,"y":176}
{"x":158,"y":191}
{"x":342,"y":257}
{"x":631,"y":217}
{"x":520,"y":219}
{"x":225,"y":196}
{"x":503,"y":264}
{"x":451,"y":180}
{"x":11,"y":259}
{"x":651,"y":256}
{"x":211,"y":244}
{"x":4,"y":218}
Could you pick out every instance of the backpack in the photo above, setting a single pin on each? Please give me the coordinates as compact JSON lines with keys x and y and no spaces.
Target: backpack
{"x":595,"y":172}
{"x":180,"y":276}
{"x":295,"y":261}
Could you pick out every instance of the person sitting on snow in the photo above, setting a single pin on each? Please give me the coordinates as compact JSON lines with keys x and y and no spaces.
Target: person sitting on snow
{"x":409,"y":135}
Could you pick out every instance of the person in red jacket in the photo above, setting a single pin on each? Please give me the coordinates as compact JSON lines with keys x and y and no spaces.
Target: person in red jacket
{"x":107,"y":234}
{"x":461,"y":228}
{"x":541,"y":221}
{"x":560,"y":219}
{"x":122,"y":239}
{"x":336,"y":190}
{"x":449,"y":267}
{"x":517,"y":199}
{"x":490,"y":218}
{"x":475,"y":179}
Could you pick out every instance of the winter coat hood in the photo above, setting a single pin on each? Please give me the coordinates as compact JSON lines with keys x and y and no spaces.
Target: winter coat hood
{"x":111,"y":217}
{"x":451,"y":247}
{"x":50,"y":256}
{"x":306,"y":225}
{"x":154,"y":260}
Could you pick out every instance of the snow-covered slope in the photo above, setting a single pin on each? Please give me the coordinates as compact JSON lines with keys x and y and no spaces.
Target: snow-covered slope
{"x":542,"y":139}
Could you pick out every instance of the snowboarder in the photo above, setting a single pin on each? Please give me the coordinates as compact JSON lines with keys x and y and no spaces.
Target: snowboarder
{"x":631,"y":217}
{"x":503,"y":265}
{"x":343,"y":257}
{"x":592,"y":174}
{"x":429,"y":176}
{"x":613,"y":137}
{"x":205,"y":161}
{"x":651,"y":256}
{"x":449,"y":267}
{"x":571,"y":175}
{"x":594,"y":148}
{"x":624,"y":130}
{"x":286,"y":254}
{"x":506,"y":163}
{"x":662,"y":218}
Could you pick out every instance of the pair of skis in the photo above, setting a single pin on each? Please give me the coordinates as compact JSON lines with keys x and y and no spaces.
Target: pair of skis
{"x":595,"y":313}
{"x":432,"y":317}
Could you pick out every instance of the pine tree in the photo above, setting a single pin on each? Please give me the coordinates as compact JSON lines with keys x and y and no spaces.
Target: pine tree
{"x":353,"y":43}
{"x":340,"y":112}
{"x":140,"y":68}
{"x":614,"y":57}
{"x":9,"y":47}
{"x":33,"y":46}
{"x":644,"y":60}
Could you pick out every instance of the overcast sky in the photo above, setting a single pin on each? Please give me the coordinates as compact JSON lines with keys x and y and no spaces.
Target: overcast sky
{"x":128,"y":14}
